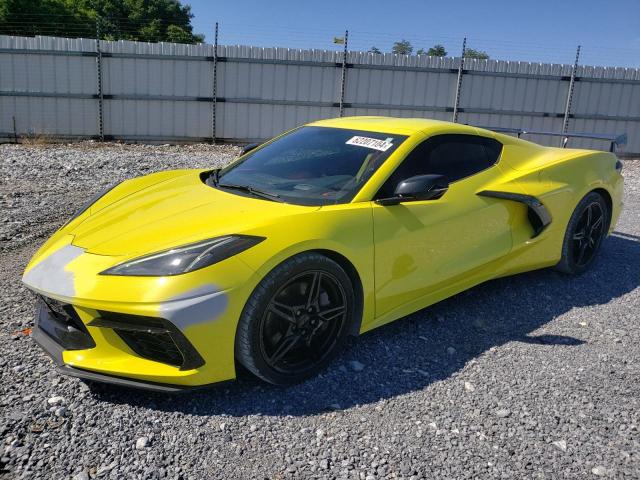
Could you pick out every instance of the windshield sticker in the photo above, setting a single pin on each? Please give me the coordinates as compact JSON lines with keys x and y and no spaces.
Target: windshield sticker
{"x":374,"y":143}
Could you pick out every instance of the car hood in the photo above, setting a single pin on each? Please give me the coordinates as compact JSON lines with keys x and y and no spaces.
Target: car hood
{"x":169,"y":209}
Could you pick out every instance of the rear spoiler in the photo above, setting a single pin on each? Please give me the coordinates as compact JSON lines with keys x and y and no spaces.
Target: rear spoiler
{"x":614,"y":140}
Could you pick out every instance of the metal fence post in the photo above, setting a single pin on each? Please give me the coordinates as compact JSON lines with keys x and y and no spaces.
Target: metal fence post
{"x":214,"y":87}
{"x":99,"y":82}
{"x":343,"y":79}
{"x":456,"y":102}
{"x":567,"y":105}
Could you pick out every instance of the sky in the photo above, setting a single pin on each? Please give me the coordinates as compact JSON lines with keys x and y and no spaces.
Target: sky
{"x":529,"y":30}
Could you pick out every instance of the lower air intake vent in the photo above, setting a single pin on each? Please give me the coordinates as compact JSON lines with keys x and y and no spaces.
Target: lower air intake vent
{"x":154,"y":346}
{"x":153,"y":338}
{"x":61,"y":322}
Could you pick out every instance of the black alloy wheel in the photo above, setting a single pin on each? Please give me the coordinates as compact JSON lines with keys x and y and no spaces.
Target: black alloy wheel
{"x":588,"y":234}
{"x":587,"y":228}
{"x":301,"y":322}
{"x":296,"y":320}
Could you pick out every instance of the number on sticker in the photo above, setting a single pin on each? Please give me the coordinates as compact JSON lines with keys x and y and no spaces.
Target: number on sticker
{"x":367,"y":142}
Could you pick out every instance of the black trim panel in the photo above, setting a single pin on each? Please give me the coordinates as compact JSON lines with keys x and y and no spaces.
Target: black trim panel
{"x":48,"y":344}
{"x":119,"y":324}
{"x":62,"y":324}
{"x":538,"y":215}
{"x":123,"y":382}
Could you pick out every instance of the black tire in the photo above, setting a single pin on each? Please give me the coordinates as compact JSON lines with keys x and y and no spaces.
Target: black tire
{"x":282,"y":345}
{"x":584,"y":235}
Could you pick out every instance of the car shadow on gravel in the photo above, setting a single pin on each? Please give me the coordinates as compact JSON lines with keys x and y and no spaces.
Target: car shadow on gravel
{"x":425,"y":347}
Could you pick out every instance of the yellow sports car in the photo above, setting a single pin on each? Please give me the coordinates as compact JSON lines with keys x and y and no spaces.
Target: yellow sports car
{"x":329,"y":230}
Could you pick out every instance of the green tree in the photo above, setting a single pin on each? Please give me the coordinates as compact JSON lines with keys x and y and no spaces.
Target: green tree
{"x":403,"y":47}
{"x":145,"y":20}
{"x":421,"y":51}
{"x":177,"y":34}
{"x":374,"y":50}
{"x":479,"y":54}
{"x":437,"y":51}
{"x":45,"y":17}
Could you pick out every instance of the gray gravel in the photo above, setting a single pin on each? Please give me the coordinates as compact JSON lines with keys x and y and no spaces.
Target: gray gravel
{"x":534,"y":376}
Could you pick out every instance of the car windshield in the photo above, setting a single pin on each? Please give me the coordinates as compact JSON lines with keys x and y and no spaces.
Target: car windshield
{"x":311,"y":165}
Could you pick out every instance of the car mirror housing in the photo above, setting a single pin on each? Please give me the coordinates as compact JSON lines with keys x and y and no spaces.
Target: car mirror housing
{"x":417,"y":188}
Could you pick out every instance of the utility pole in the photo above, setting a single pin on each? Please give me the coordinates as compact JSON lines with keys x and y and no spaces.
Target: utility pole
{"x":99,"y":82}
{"x":456,"y":102}
{"x":214,"y":87}
{"x":343,"y":79}
{"x":567,"y":105}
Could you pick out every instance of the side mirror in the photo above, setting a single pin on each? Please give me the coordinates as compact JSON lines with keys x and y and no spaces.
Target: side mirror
{"x":420,"y":187}
{"x":248,"y":148}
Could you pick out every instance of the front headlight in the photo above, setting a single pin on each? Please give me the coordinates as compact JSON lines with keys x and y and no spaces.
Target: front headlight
{"x":186,"y":258}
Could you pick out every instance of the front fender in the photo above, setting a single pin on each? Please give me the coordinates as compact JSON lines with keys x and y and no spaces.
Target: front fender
{"x":344,"y":229}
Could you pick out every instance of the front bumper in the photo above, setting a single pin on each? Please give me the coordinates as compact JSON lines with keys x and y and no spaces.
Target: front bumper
{"x":196,"y":318}
{"x":59,"y":333}
{"x":55,"y":350}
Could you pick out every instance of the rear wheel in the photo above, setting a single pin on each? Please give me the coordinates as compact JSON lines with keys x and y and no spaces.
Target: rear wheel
{"x":587,"y":229}
{"x":296,"y":320}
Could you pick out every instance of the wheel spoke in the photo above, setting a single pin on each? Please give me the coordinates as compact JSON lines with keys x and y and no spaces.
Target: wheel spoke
{"x":314,"y":290}
{"x":331,"y":313}
{"x":589,"y":215}
{"x":583,"y":249}
{"x":597,"y":223}
{"x":283,"y":311}
{"x":286,"y":344}
{"x":579,"y":236}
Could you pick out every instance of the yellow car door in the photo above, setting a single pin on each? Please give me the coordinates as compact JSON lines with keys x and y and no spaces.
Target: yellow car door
{"x":424,"y":247}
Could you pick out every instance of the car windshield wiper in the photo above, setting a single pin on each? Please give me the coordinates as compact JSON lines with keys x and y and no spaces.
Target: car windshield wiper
{"x":254,"y":191}
{"x":213,"y":178}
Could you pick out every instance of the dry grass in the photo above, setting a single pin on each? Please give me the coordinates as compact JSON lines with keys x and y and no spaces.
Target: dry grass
{"x":36,"y":139}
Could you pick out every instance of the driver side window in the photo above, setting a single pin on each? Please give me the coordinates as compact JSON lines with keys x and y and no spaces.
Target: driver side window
{"x":453,"y":155}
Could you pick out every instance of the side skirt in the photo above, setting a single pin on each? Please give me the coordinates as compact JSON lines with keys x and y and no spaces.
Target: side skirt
{"x":455,"y":286}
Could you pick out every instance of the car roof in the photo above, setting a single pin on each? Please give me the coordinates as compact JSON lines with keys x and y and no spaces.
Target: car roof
{"x":397,"y":125}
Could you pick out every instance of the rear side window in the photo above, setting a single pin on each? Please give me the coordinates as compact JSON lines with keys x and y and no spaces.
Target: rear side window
{"x":454,"y":156}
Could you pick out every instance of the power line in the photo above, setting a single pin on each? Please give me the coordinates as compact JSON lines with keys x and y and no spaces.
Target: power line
{"x":153,"y":29}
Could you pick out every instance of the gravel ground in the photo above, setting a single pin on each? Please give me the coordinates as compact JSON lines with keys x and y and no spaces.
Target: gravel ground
{"x":535,"y":376}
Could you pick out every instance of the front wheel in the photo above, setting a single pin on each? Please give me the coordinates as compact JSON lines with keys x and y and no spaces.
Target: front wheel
{"x":296,"y":320}
{"x":586,"y":230}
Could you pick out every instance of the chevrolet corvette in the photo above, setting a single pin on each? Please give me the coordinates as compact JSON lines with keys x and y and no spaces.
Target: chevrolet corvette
{"x":171,"y":280}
